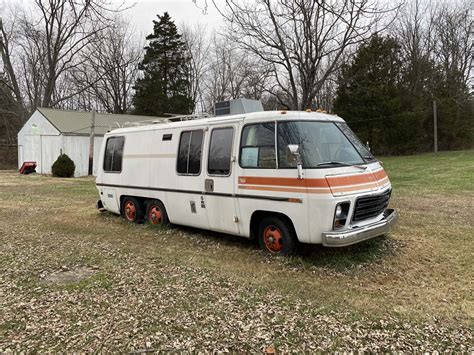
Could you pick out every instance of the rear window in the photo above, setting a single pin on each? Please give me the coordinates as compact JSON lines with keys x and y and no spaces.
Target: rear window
{"x":113,"y":154}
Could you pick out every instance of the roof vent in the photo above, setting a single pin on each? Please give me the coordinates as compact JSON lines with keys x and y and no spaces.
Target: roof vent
{"x":237,"y":106}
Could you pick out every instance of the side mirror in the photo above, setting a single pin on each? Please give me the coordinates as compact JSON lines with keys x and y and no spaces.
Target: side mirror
{"x":295,"y":150}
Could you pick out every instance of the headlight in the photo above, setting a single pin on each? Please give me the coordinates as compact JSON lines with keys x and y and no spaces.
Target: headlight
{"x":340,"y":214}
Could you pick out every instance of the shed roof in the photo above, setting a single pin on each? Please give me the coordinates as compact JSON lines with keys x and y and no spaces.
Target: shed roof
{"x":79,"y":123}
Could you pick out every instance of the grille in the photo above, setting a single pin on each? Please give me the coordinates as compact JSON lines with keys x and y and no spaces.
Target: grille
{"x":371,"y":206}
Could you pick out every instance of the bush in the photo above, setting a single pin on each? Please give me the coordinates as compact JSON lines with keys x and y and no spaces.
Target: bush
{"x":63,"y":166}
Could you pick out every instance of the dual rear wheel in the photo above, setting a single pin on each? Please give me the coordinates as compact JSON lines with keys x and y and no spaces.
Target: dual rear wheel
{"x":275,"y":235}
{"x":152,"y":211}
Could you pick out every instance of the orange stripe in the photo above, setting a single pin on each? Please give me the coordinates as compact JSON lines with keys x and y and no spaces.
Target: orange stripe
{"x":351,"y":180}
{"x":282,"y":189}
{"x":380,"y":174}
{"x":362,"y":187}
{"x":321,"y":182}
{"x":354,"y":187}
{"x":277,"y":181}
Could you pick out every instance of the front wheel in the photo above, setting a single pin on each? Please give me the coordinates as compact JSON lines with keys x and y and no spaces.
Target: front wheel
{"x":276,"y":236}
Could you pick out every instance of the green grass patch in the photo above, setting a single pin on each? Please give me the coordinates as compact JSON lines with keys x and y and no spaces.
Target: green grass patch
{"x":445,"y":172}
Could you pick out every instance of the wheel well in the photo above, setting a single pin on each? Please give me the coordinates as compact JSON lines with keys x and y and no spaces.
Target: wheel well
{"x":257,"y":217}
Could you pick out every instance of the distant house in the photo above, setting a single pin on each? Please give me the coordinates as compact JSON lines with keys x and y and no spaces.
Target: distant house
{"x":49,"y":132}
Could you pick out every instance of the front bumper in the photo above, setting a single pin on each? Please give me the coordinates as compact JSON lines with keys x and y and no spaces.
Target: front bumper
{"x":359,"y":234}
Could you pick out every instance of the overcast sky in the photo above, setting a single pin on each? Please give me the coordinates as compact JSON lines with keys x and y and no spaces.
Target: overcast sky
{"x":143,"y":12}
{"x":182,"y":11}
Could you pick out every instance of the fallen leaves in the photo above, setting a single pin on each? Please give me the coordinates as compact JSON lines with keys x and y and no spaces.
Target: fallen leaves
{"x":66,"y":284}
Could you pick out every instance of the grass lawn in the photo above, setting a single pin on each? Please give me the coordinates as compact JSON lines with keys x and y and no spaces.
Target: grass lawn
{"x":72,"y":278}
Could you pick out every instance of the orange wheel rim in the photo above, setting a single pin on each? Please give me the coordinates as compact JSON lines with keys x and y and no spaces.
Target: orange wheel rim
{"x":155,"y":215}
{"x":130,"y":210}
{"x":273,"y":239}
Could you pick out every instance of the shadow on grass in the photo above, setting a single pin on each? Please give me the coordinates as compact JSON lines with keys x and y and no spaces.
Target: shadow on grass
{"x":345,"y":258}
{"x":309,"y":255}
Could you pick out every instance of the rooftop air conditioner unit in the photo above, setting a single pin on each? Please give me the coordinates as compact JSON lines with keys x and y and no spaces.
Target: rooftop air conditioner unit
{"x":237,"y":106}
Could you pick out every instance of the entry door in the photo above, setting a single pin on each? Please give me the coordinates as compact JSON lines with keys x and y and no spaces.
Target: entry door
{"x":219,"y":184}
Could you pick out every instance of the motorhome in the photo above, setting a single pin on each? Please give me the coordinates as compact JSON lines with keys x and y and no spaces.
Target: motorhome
{"x":285,"y":178}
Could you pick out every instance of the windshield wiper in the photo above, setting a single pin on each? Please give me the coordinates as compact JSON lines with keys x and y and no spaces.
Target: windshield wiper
{"x":368,"y":157}
{"x":326,"y":163}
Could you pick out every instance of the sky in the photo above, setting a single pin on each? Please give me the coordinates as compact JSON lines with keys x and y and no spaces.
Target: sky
{"x":142,"y":12}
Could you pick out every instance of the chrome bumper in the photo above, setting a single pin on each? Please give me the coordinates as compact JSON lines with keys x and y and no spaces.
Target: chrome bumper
{"x":359,"y":234}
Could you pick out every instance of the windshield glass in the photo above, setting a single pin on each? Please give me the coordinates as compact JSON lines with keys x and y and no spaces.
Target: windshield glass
{"x":320,"y":144}
{"x":361,"y":148}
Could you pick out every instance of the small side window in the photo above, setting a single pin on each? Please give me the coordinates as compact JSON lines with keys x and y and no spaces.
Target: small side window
{"x":189,"y":153}
{"x":257,"y":147}
{"x":220,"y":151}
{"x":113,"y":154}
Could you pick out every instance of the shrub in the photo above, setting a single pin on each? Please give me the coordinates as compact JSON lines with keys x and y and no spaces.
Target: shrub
{"x":63,"y":166}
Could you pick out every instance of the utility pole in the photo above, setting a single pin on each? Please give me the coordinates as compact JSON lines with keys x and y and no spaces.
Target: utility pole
{"x":91,"y":144}
{"x":435,"y":127}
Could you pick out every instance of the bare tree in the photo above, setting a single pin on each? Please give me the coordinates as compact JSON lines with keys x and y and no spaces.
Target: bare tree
{"x":110,"y":67}
{"x":233,"y":73}
{"x":198,"y":46}
{"x":454,"y":44}
{"x":48,"y":49}
{"x":303,"y":40}
{"x":10,"y":79}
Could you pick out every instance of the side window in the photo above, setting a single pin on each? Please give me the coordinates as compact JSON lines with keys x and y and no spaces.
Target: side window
{"x":257,"y":147}
{"x":189,"y":153}
{"x":220,"y":151}
{"x":113,"y":154}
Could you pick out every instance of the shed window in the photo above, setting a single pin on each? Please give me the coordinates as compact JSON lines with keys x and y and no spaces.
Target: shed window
{"x":220,"y":151}
{"x":113,"y":154}
{"x":189,"y":153}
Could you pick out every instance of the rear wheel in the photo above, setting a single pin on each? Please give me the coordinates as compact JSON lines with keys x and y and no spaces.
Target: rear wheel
{"x":276,"y":236}
{"x":132,"y":210}
{"x":156,"y":213}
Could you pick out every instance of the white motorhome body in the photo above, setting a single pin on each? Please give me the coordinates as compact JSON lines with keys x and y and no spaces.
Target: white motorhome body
{"x":233,"y":173}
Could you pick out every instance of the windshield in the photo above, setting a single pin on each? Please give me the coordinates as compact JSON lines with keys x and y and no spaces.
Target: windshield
{"x":361,"y":148}
{"x":320,"y":144}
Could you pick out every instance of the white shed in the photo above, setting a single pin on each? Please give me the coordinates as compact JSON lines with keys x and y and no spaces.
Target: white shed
{"x":50,"y":132}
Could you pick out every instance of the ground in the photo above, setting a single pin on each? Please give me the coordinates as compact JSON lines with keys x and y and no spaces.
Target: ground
{"x":72,"y":278}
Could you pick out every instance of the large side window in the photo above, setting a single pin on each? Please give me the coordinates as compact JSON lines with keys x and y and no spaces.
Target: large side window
{"x":220,"y":151}
{"x":113,"y":154}
{"x":189,"y":153}
{"x":257,"y":147}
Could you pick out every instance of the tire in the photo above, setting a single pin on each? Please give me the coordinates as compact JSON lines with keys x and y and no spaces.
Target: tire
{"x":132,"y":210}
{"x":156,"y":214}
{"x":276,"y":236}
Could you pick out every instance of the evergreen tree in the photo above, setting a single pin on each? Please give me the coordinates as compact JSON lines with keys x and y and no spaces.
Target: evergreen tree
{"x":163,"y":87}
{"x":368,"y":95}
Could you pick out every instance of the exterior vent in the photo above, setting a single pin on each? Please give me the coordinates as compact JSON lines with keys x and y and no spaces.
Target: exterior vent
{"x":238,"y":106}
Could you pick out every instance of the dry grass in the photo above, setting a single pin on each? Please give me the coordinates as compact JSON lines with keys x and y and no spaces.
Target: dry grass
{"x":132,"y":287}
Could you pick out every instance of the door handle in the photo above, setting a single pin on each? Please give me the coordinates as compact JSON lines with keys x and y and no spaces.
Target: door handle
{"x":209,"y":185}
